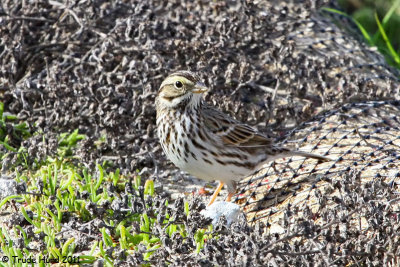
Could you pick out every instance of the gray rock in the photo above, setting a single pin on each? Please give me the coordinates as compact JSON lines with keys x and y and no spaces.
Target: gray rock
{"x":8,"y":187}
{"x":222,"y":208}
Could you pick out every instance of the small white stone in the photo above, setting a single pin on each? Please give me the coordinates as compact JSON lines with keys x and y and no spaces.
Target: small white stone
{"x":222,"y":208}
{"x":8,"y":187}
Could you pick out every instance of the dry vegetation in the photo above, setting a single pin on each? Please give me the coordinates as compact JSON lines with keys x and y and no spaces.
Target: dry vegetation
{"x":95,"y":67}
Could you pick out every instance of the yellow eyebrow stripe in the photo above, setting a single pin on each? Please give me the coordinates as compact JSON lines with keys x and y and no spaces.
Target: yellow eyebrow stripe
{"x":173,"y":79}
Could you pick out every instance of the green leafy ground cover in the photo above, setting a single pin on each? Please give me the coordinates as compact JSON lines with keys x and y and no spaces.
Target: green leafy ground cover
{"x":379,"y":23}
{"x":49,"y":215}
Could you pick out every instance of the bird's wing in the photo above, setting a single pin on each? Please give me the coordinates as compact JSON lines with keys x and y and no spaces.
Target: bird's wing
{"x":232,"y":132}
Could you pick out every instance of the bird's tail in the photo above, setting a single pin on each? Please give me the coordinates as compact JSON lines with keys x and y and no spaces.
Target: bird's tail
{"x":309,"y":155}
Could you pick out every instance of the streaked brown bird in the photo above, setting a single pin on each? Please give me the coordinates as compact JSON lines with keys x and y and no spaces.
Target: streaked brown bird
{"x":207,"y":143}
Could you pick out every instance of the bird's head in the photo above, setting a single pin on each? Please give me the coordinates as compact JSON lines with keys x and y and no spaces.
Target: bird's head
{"x":180,"y":89}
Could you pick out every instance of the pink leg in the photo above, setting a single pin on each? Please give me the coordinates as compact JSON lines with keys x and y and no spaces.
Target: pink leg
{"x":230,"y":195}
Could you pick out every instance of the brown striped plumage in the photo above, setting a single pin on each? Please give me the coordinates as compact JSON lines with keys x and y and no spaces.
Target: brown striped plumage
{"x":204,"y":141}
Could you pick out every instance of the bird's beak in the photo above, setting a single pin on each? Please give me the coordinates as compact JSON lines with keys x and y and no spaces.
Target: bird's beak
{"x":200,"y":88}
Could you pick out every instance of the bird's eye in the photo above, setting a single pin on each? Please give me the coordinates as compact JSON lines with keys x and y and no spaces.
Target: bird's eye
{"x":178,"y":84}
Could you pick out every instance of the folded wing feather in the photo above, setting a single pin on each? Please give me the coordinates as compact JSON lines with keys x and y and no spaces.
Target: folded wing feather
{"x":232,"y":132}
